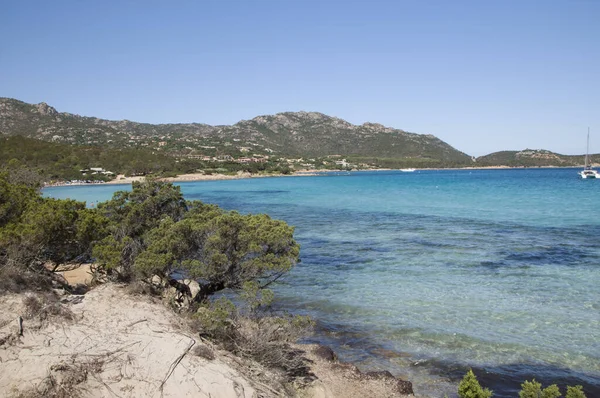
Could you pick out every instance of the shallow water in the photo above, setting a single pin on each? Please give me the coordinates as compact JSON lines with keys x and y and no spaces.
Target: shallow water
{"x":432,"y":272}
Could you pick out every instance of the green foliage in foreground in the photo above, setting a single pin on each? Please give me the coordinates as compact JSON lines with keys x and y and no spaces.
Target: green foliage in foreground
{"x":147,"y":232}
{"x":153,"y":231}
{"x":469,"y":387}
{"x":37,"y":231}
{"x":533,"y":389}
{"x":575,"y":392}
{"x":156,"y":232}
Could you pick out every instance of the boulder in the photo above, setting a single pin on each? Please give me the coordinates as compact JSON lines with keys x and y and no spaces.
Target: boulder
{"x":157,"y":281}
{"x":380,"y":374}
{"x":401,"y":386}
{"x":193,"y":287}
{"x":325,"y":352}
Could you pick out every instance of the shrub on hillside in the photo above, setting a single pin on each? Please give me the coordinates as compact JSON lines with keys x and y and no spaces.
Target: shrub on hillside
{"x":575,"y":392}
{"x":155,"y":232}
{"x":533,"y":389}
{"x":469,"y":387}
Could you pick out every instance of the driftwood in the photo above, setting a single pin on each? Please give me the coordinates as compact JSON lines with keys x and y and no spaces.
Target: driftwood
{"x":175,"y":363}
{"x":136,"y":322}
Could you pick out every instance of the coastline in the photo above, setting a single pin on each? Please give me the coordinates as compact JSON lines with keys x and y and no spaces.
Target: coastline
{"x":190,"y":177}
{"x":431,"y":174}
{"x":122,"y":180}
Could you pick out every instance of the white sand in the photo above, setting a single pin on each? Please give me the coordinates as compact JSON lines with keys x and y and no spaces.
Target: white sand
{"x":144,"y":350}
{"x":137,"y":341}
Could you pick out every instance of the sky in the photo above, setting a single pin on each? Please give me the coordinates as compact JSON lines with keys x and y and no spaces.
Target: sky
{"x":483,"y":76}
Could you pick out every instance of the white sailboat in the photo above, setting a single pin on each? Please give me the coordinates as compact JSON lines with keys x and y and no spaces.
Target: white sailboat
{"x":587,"y":171}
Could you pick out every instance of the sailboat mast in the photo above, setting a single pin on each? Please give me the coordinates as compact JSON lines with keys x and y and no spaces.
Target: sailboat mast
{"x":587,"y":151}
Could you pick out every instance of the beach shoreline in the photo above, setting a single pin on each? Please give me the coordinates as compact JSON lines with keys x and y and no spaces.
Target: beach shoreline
{"x":192,"y":177}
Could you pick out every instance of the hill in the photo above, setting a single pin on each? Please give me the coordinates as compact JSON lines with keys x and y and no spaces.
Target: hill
{"x":284,"y":141}
{"x":54,"y":160}
{"x":532,"y":158}
{"x":288,"y":134}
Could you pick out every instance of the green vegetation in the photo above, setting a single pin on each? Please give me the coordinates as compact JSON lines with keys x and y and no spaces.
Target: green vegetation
{"x":37,"y":234}
{"x":575,"y":392}
{"x":150,"y":231}
{"x":150,"y":237}
{"x":408,"y":162}
{"x":155,"y":232}
{"x":307,"y":139}
{"x":62,"y":161}
{"x":469,"y":387}
{"x":533,"y":389}
{"x":308,"y":135}
{"x":59,"y":161}
{"x":532,"y":158}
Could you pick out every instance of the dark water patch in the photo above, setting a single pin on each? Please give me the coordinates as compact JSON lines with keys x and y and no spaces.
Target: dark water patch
{"x":373,"y":249}
{"x":355,"y":345}
{"x":240,"y":192}
{"x":427,"y":243}
{"x":505,"y":380}
{"x":315,"y":241}
{"x":496,"y":265}
{"x":560,"y":255}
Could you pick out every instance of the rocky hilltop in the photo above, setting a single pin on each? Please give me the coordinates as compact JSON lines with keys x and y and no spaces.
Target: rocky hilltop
{"x":291,"y":134}
{"x":287,"y":135}
{"x":531,"y":158}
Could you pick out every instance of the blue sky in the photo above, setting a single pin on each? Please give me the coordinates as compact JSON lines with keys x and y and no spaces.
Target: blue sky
{"x":483,"y":76}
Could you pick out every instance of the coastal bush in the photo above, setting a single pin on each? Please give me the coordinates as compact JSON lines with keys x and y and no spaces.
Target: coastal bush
{"x":133,"y":216}
{"x":216,"y":319}
{"x":264,"y":339}
{"x":154,"y":231}
{"x":533,"y":389}
{"x":469,"y":387}
{"x":203,"y":351}
{"x":44,"y":306}
{"x":16,"y":279}
{"x":37,"y":234}
{"x":52,"y":231}
{"x":575,"y":392}
{"x":14,"y":198}
{"x":267,"y":340}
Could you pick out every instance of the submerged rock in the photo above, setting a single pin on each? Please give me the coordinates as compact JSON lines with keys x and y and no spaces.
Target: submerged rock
{"x":325,"y":352}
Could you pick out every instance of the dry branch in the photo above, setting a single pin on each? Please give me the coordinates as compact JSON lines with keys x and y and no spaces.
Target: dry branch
{"x":175,"y":363}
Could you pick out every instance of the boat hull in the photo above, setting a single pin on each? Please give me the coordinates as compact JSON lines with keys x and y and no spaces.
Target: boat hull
{"x":589,"y":175}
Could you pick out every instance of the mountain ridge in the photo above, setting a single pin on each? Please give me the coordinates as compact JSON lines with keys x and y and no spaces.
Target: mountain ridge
{"x":302,"y":133}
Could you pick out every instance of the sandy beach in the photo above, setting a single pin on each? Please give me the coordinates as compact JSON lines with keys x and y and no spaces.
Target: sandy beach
{"x":110,"y":343}
{"x":122,"y":179}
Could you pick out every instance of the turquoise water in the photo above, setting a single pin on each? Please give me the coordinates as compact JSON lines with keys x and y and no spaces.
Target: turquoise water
{"x":430,"y":272}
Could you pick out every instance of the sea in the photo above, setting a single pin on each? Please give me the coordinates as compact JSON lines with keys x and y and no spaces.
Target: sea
{"x":429,"y":273}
